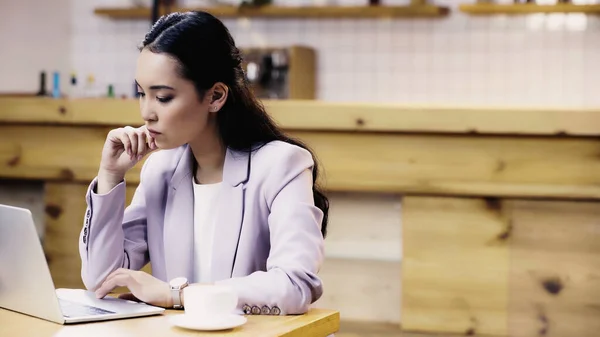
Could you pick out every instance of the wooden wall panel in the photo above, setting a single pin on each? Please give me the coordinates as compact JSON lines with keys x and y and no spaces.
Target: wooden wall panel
{"x":455,"y":266}
{"x":65,"y":210}
{"x":53,"y":153}
{"x":502,"y":267}
{"x":388,"y":163}
{"x":555,"y":270}
{"x":459,"y":165}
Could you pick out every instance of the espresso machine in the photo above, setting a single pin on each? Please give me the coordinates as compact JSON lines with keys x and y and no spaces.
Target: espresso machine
{"x":280,"y":73}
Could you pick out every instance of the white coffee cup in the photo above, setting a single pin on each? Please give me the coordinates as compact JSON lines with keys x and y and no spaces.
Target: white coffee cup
{"x":209,"y":301}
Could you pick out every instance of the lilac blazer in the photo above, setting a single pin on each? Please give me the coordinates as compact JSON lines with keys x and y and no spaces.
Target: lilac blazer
{"x":268,"y":244}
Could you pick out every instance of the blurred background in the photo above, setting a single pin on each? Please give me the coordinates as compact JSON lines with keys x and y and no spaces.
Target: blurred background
{"x":459,"y":141}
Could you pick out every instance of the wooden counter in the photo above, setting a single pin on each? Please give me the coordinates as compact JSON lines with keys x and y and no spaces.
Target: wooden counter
{"x":500,"y":207}
{"x":308,"y":115}
{"x":436,"y":151}
{"x":316,"y":323}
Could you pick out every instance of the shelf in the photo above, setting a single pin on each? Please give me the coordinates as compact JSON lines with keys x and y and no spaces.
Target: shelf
{"x":322,"y":12}
{"x":520,"y":9}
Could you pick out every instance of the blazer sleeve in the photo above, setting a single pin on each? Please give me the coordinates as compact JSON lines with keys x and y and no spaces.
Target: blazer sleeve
{"x":112,"y":236}
{"x":290,"y":284}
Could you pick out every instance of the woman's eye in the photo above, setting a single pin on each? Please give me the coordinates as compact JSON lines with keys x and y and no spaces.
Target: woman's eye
{"x":141,"y":94}
{"x":164,"y":99}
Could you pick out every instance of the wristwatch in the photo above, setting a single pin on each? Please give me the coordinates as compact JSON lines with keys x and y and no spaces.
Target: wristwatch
{"x":177,"y":285}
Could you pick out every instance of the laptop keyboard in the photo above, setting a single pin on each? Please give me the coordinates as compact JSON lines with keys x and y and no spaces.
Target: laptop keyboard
{"x":72,"y":309}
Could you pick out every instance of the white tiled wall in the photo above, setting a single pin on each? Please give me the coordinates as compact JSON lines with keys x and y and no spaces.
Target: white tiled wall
{"x":34,"y":37}
{"x":536,"y":60}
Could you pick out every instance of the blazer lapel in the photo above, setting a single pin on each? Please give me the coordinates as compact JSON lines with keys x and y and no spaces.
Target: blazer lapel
{"x":230,"y":214}
{"x":179,"y":221}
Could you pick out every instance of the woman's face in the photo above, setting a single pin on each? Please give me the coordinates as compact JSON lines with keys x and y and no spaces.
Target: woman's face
{"x":173,"y":111}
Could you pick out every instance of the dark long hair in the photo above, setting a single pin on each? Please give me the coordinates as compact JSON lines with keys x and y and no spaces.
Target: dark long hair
{"x":207,"y":54}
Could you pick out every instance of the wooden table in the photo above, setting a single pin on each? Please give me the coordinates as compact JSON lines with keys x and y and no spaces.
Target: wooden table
{"x":317,"y":323}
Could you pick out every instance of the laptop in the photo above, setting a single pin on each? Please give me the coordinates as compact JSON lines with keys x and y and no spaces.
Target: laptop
{"x":26,"y":285}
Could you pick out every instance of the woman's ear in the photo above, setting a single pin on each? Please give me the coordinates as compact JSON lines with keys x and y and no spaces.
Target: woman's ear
{"x":218,"y":96}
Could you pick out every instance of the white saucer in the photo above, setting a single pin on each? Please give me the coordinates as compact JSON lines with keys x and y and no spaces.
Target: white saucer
{"x":209,"y":323}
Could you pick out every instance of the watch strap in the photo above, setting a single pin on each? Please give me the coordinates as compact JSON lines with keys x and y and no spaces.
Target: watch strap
{"x":176,"y":296}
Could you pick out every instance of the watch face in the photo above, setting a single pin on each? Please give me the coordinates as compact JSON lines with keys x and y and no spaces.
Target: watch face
{"x":178,"y":282}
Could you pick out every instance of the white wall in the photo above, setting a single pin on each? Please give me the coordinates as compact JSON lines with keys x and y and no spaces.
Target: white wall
{"x":35,"y":35}
{"x":536,"y":60}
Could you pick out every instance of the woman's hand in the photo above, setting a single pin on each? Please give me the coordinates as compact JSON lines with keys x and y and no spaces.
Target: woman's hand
{"x":123,"y":149}
{"x":143,"y":286}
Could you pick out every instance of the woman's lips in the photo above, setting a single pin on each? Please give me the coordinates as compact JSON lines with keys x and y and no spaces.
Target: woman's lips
{"x":153,"y":133}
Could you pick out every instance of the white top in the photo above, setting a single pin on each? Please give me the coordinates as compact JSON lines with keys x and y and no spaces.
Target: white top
{"x":205,"y":197}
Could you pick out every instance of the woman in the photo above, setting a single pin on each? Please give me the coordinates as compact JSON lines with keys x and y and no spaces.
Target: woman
{"x":229,"y":199}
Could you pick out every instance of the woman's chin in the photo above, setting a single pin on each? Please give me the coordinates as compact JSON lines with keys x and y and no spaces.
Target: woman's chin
{"x":162,"y":145}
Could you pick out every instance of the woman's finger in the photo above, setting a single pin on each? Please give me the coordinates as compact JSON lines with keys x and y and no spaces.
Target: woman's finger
{"x":149,"y":140}
{"x":126,"y":143}
{"x":133,"y":138}
{"x":121,"y":280}
{"x":117,"y":272}
{"x":142,"y":144}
